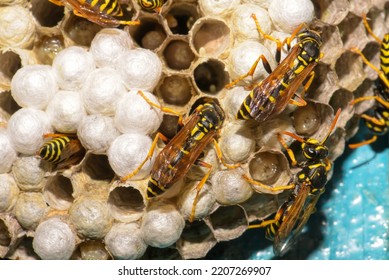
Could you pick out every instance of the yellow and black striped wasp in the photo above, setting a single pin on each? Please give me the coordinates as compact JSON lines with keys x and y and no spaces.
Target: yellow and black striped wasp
{"x":309,"y":183}
{"x":378,"y":121}
{"x":183,"y":150}
{"x":151,"y":5}
{"x":271,"y":96}
{"x":102,"y":12}
{"x":64,"y":150}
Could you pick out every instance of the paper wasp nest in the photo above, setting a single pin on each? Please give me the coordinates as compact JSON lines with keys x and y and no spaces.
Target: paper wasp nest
{"x":192,"y":50}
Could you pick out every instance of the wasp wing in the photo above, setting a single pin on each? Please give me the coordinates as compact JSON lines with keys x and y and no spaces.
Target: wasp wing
{"x":289,"y":229}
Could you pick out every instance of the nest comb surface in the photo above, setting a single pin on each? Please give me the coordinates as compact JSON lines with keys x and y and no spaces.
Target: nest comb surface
{"x":194,"y":47}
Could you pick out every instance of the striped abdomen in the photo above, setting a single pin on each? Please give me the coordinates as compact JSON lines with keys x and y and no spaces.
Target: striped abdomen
{"x":384,"y":56}
{"x":109,"y":7}
{"x":151,"y":5}
{"x":52,"y":150}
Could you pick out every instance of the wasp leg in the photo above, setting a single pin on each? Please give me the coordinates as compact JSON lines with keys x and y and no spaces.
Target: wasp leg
{"x":309,"y":81}
{"x":263,"y":224}
{"x":265,"y":63}
{"x":377,"y":98}
{"x":57,"y":2}
{"x":300,"y":102}
{"x":272,"y":189}
{"x":380,"y":73}
{"x":149,"y":155}
{"x":378,"y":122}
{"x":368,"y":28}
{"x":363,"y":143}
{"x":199,"y":187}
{"x":163,"y":109}
{"x":267,"y":36}
{"x":55,"y":135}
{"x":288,"y":150}
{"x":221,"y":158}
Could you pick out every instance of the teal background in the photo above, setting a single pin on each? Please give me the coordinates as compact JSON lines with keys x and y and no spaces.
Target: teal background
{"x":352,"y":216}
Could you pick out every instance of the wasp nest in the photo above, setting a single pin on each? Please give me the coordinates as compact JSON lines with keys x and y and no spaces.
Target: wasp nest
{"x":62,"y":73}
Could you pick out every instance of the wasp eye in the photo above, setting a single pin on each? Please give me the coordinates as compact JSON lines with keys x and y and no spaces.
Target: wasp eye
{"x":310,"y":152}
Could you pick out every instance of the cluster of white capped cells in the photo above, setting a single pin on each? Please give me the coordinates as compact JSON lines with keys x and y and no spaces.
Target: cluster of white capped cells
{"x":93,"y":94}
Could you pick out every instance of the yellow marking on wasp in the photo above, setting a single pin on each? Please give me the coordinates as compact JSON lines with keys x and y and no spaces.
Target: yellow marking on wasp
{"x":103,"y":6}
{"x":384,"y":59}
{"x":114,"y":4}
{"x":246,"y":117}
{"x":247,"y":106}
{"x":94,"y":2}
{"x":299,"y":69}
{"x":151,"y":191}
{"x":272,"y":99}
{"x":285,"y":85}
{"x":200,"y":136}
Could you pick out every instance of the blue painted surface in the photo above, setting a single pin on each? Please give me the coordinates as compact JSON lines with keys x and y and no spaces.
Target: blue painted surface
{"x":352,"y":216}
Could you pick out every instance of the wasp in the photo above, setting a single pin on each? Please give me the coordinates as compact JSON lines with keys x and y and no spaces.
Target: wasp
{"x":151,"y":5}
{"x":183,"y":150}
{"x":102,"y":12}
{"x":270,"y":97}
{"x":63,"y":150}
{"x":309,"y":183}
{"x":378,"y":121}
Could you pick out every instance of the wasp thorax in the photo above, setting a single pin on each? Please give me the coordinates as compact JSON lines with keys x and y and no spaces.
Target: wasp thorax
{"x":315,"y":151}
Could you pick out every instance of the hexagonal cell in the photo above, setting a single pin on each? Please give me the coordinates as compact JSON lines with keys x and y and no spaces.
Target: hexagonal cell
{"x":324,"y":84}
{"x":349,"y":70}
{"x":372,"y":53}
{"x":169,"y":126}
{"x":58,"y":193}
{"x":210,"y":76}
{"x":259,"y":206}
{"x":175,"y":90}
{"x":10,"y":62}
{"x":195,"y":241}
{"x":377,"y":20}
{"x":269,"y":167}
{"x":332,"y":44}
{"x":332,"y":12}
{"x":353,"y":32}
{"x":10,"y":234}
{"x":365,"y":89}
{"x":97,"y":167}
{"x":266,"y":133}
{"x":228,"y":222}
{"x":5,"y":235}
{"x":336,"y":145}
{"x":181,"y":18}
{"x":47,"y":13}
{"x":93,"y":250}
{"x":210,"y":37}
{"x":24,"y":251}
{"x":150,"y":34}
{"x":47,"y":47}
{"x":341,"y":99}
{"x":80,"y":30}
{"x":308,"y":119}
{"x":352,"y":127}
{"x":126,"y":203}
{"x":178,"y":55}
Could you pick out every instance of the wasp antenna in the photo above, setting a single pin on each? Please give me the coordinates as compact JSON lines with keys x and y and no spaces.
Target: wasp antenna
{"x":332,"y":125}
{"x":298,"y":138}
